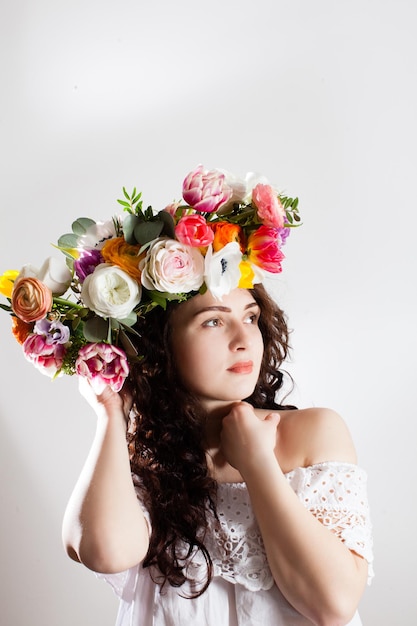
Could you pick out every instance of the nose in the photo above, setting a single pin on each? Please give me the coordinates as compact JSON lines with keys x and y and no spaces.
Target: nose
{"x":240,"y":337}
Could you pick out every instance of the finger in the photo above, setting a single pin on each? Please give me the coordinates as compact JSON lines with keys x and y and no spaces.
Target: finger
{"x":274,"y":418}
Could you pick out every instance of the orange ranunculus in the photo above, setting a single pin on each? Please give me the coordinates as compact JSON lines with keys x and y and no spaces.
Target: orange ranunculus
{"x":31,"y":299}
{"x":126,"y":256}
{"x":225,"y":233}
{"x":20,"y":329}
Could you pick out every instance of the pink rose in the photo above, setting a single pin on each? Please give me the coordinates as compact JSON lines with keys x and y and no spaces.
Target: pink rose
{"x":192,"y":230}
{"x":47,"y":357}
{"x":102,"y":364}
{"x":206,"y":191}
{"x":269,"y":207}
{"x":173,"y":267}
{"x":263,"y":249}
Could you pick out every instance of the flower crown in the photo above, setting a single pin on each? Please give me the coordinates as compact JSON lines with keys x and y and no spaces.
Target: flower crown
{"x":78,"y":316}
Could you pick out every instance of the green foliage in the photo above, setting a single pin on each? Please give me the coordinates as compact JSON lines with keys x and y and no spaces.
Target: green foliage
{"x":141,"y":227}
{"x":291,"y":210}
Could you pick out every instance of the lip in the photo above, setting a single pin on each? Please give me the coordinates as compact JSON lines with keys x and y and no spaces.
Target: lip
{"x":243,"y":367}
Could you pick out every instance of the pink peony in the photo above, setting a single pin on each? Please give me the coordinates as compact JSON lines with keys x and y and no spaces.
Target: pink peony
{"x":263,"y":249}
{"x":102,"y":364}
{"x":205,"y":190}
{"x":268,"y":205}
{"x":47,"y":357}
{"x":192,"y":230}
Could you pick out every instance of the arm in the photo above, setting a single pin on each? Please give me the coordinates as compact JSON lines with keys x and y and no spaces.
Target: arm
{"x":104,"y":526}
{"x":313,"y":569}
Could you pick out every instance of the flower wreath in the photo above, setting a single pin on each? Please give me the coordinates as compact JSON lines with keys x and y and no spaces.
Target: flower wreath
{"x":75,"y":317}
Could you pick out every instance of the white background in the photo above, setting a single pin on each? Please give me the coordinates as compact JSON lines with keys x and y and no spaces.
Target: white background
{"x":318,"y":96}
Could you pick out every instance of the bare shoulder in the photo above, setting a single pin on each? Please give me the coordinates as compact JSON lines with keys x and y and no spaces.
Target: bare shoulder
{"x":309,"y":436}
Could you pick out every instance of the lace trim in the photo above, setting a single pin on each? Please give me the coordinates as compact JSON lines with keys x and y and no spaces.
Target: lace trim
{"x":335,"y":493}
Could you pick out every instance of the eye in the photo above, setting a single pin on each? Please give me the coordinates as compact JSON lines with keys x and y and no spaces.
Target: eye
{"x":212,"y":323}
{"x":252,"y":319}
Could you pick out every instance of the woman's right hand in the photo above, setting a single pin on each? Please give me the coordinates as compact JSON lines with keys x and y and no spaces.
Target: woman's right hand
{"x":107,"y":401}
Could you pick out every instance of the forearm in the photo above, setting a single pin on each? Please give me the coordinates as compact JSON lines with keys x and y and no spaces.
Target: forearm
{"x":314,"y":570}
{"x":104,"y":526}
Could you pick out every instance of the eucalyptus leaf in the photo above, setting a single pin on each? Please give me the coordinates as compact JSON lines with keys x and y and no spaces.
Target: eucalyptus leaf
{"x":130,"y":320}
{"x":69,"y":240}
{"x":129,"y":224}
{"x":96,"y":329}
{"x":147,"y":231}
{"x":80,"y":226}
{"x":169,"y":224}
{"x":127,"y":344}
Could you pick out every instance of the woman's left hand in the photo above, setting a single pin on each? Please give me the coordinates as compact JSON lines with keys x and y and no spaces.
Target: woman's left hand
{"x":246,"y":439}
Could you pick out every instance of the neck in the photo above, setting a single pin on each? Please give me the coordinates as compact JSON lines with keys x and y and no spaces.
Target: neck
{"x":213,"y":425}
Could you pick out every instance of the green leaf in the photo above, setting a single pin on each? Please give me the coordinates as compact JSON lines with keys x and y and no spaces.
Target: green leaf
{"x":129,"y":224}
{"x":80,"y":226}
{"x":130,"y":320}
{"x":124,"y":203}
{"x":69,"y":240}
{"x":128,"y":345}
{"x":5,"y":307}
{"x":147,"y":231}
{"x":126,"y":195}
{"x":96,"y":329}
{"x":169,"y":224}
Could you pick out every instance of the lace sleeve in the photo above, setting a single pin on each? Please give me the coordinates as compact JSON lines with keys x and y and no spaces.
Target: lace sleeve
{"x":335,"y":493}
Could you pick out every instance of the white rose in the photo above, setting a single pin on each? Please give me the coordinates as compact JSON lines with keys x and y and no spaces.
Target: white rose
{"x":222,"y":272}
{"x":173,"y":267}
{"x":54,"y":273}
{"x":110,"y":292}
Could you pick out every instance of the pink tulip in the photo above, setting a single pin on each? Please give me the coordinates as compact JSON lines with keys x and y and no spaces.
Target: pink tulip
{"x":263,"y":249}
{"x":205,"y":190}
{"x":102,"y":364}
{"x":193,"y":230}
{"x":47,"y":357}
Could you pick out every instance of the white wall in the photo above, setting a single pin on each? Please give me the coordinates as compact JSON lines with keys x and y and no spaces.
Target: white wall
{"x":321,"y":98}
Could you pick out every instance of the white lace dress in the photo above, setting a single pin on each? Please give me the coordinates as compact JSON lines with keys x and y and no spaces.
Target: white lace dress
{"x":243,"y":592}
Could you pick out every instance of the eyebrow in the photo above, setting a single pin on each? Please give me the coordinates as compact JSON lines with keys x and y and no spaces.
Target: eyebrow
{"x":223,"y":309}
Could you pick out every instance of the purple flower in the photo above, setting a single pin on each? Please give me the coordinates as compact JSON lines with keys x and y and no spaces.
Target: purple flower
{"x":54,"y":332}
{"x":283,"y":234}
{"x":87,"y":263}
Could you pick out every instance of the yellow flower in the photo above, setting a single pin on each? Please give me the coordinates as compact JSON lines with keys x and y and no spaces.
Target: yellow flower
{"x":246,"y":275}
{"x":6,"y":282}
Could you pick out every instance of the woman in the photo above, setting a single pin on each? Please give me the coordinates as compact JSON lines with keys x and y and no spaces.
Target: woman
{"x":202,"y":501}
{"x":248,"y":512}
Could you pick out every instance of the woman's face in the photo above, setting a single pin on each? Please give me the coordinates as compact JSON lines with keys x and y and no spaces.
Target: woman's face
{"x":218,"y":347}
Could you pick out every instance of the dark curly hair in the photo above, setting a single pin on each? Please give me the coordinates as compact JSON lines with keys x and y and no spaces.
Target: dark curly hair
{"x":167,"y":439}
